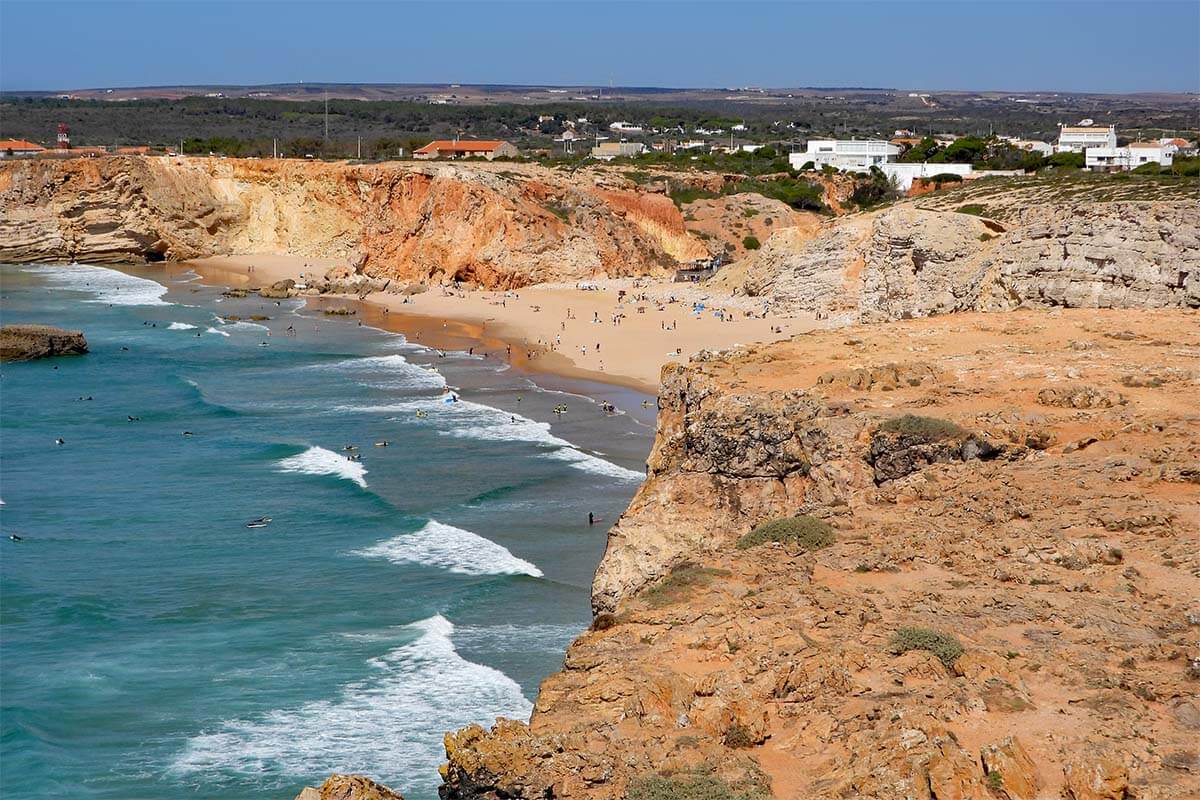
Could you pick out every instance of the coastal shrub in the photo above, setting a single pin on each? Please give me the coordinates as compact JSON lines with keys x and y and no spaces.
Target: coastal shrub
{"x":751,"y":243}
{"x":688,"y":787}
{"x":995,"y":781}
{"x":679,"y":581}
{"x":971,"y":208}
{"x":808,"y":532}
{"x":1067,"y":160}
{"x":943,"y":645}
{"x":604,"y":621}
{"x":945,"y":177}
{"x":689,"y":194}
{"x":749,"y":212}
{"x":925,"y":429}
{"x":738,"y":736}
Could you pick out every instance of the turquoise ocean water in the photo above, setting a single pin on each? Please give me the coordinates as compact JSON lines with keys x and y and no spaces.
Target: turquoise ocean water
{"x":152,"y":646}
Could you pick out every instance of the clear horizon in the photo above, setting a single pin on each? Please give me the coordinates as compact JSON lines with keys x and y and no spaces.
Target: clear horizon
{"x":987,"y":47}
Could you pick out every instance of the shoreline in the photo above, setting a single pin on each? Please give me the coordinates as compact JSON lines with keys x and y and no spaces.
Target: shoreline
{"x":554,"y":373}
{"x":619,"y":334}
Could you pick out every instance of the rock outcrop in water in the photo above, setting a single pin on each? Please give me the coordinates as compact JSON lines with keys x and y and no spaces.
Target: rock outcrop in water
{"x":1008,"y":607}
{"x":497,"y":225}
{"x":29,"y":342}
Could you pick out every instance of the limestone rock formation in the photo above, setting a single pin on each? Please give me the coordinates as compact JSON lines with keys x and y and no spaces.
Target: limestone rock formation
{"x":496,"y":225}
{"x":1063,"y":576}
{"x":28,"y":342}
{"x":908,"y":261}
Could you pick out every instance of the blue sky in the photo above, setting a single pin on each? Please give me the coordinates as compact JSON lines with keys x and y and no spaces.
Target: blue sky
{"x":1134,"y":45}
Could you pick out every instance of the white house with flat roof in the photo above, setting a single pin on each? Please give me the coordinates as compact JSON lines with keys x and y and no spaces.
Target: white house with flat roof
{"x":1116,"y":159}
{"x":1076,"y":138}
{"x":847,"y":155}
{"x":903,"y":175}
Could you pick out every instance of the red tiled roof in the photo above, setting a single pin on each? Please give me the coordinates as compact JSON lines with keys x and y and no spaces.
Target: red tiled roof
{"x":460,"y":146}
{"x":19,"y":144}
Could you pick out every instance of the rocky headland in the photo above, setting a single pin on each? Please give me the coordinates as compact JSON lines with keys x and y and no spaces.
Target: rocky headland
{"x":986,"y":586}
{"x":29,"y":342}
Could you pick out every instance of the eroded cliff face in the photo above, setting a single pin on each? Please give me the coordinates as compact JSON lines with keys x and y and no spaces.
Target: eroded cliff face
{"x":493,"y":224}
{"x":1045,"y":514}
{"x":912,"y":262}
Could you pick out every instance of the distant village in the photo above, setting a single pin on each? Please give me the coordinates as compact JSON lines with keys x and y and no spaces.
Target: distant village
{"x":579,"y":138}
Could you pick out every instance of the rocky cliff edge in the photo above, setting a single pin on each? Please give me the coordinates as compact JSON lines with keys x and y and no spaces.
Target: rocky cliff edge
{"x":992,"y":594}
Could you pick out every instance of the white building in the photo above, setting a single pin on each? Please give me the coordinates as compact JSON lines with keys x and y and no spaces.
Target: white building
{"x":625,"y":127}
{"x":1115,"y":159}
{"x":1076,"y":139}
{"x":855,"y":155}
{"x":904,"y":174}
{"x":607,"y":151}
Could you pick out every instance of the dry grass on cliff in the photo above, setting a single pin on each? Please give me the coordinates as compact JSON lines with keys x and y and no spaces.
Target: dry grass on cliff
{"x":679,"y":582}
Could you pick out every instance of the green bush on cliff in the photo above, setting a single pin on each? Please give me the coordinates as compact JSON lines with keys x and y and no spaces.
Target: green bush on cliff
{"x":808,"y":532}
{"x":942,"y":645}
{"x":691,"y":786}
{"x":925,"y":429}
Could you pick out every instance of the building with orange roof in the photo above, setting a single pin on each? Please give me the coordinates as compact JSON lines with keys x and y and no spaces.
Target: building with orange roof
{"x":19,"y":148}
{"x":463,"y":148}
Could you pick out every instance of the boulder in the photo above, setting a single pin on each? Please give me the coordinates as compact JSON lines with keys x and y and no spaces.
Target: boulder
{"x":348,"y":787}
{"x":279,"y":289}
{"x":27,"y":342}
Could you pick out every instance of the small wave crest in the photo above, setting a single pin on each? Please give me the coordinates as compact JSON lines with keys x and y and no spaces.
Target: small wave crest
{"x":386,"y":372}
{"x":180,"y":326}
{"x":106,"y":285}
{"x":455,"y":549}
{"x":216,"y":330}
{"x":389,"y":725}
{"x":319,"y":461}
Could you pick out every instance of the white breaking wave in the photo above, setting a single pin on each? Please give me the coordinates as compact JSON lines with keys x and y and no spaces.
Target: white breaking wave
{"x":386,"y":372}
{"x":107,"y":285}
{"x":389,"y":725}
{"x":594,"y":464}
{"x":455,"y":549}
{"x":477,"y":421}
{"x":180,"y":326}
{"x":216,"y":330}
{"x":319,"y":461}
{"x":242,"y":325}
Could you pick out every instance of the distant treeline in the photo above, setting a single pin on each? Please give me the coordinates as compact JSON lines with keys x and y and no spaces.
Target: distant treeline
{"x":245,"y":124}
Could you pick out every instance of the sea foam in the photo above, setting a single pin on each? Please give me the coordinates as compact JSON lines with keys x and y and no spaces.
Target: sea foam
{"x":106,"y":285}
{"x":455,"y":549}
{"x":385,"y":372}
{"x":388,"y":725}
{"x":180,"y":326}
{"x":319,"y":461}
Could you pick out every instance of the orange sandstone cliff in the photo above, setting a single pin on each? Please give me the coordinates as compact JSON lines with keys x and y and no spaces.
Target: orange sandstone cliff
{"x":497,"y":225}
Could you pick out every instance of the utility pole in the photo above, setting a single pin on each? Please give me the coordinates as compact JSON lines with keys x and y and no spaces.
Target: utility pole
{"x":360,"y":148}
{"x":275,"y":148}
{"x":326,"y":116}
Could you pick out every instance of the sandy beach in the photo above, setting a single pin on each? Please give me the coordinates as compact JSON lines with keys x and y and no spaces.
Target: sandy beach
{"x":620,"y":332}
